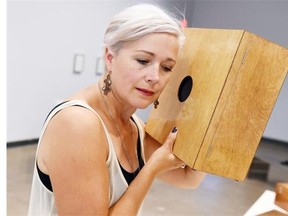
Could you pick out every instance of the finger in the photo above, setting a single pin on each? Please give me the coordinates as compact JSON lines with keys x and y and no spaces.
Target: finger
{"x":171,"y":138}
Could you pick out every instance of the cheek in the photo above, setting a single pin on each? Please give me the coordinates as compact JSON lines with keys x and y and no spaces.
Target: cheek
{"x":125,"y":77}
{"x":121,"y":71}
{"x":165,"y":79}
{"x":162,"y":84}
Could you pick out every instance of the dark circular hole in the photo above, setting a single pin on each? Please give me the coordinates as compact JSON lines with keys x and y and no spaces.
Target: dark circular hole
{"x":185,"y":88}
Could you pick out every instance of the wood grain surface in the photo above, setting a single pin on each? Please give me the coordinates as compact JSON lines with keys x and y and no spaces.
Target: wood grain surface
{"x":237,"y":77}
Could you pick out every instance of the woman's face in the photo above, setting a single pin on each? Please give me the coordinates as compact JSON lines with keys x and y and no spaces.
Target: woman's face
{"x":142,"y":68}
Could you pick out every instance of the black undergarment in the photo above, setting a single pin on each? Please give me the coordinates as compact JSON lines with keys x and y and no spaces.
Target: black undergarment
{"x":45,"y":179}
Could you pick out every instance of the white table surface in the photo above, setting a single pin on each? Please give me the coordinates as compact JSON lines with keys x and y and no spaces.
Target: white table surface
{"x":264,"y":203}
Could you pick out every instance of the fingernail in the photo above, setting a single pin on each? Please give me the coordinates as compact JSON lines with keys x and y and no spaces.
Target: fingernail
{"x":174,"y":130}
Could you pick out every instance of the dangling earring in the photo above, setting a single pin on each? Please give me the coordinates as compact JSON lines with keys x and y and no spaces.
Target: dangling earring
{"x":107,"y":83}
{"x":156,"y":103}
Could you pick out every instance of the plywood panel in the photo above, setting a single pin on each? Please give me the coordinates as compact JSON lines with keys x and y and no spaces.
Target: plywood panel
{"x":248,"y":106}
{"x":237,"y":77}
{"x":199,"y":59}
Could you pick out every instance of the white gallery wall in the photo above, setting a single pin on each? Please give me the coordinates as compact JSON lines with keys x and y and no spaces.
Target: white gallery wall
{"x":43,"y":37}
{"x":42,"y":40}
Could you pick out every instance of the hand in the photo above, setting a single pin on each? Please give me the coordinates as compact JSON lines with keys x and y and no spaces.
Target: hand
{"x":163,"y":158}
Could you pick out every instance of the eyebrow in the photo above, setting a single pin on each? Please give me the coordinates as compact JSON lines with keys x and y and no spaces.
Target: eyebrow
{"x":152,"y":54}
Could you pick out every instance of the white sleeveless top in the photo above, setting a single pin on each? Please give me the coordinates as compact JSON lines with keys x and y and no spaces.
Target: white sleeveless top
{"x":42,"y":199}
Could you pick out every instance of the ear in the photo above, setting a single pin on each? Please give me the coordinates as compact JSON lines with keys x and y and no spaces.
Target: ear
{"x":108,"y":59}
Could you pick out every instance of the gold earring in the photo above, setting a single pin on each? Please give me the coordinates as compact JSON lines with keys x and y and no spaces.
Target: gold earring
{"x":107,"y":85}
{"x":156,"y":103}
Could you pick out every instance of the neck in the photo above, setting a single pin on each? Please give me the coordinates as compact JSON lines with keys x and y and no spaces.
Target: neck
{"x":117,"y":107}
{"x":120,"y":117}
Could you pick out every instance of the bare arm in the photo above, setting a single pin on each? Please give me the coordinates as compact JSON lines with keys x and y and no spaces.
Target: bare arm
{"x":74,"y":153}
{"x":74,"y":156}
{"x":161,"y":161}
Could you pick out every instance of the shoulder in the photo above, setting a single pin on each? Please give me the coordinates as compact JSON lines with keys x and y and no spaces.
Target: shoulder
{"x":77,"y":117}
{"x":78,"y":122}
{"x":74,"y":130}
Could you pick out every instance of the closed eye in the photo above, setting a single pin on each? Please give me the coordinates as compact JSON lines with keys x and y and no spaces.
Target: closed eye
{"x":142,"y":61}
{"x":167,"y":69}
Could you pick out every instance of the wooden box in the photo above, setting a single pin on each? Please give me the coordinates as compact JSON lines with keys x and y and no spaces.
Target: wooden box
{"x":220,"y":96}
{"x":281,"y":198}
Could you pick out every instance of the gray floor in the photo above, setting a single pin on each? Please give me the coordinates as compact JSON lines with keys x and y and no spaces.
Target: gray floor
{"x":215,"y":196}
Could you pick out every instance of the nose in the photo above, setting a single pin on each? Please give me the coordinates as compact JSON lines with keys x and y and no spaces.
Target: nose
{"x":152,"y":75}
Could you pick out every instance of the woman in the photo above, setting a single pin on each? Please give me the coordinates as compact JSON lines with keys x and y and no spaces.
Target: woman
{"x":94,"y":157}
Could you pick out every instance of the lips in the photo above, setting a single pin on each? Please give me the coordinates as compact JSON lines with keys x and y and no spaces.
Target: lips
{"x":145,"y":91}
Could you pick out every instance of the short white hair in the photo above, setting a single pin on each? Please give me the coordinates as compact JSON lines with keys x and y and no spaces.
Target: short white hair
{"x":139,"y":20}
